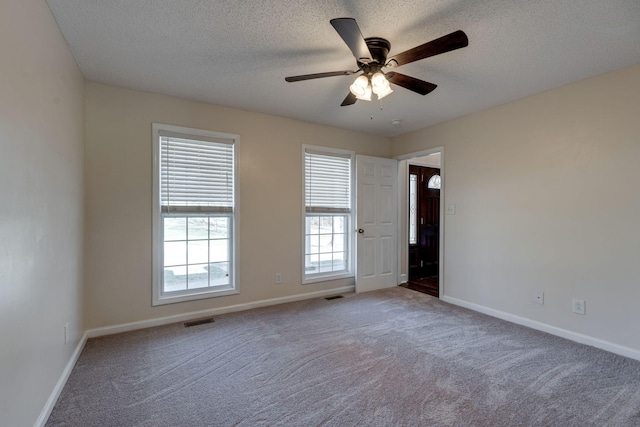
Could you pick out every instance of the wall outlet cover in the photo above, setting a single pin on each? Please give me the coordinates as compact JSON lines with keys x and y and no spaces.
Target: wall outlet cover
{"x":578,"y":306}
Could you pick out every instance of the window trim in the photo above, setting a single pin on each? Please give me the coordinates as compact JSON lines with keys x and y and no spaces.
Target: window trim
{"x":157,"y":237}
{"x":350,"y":272}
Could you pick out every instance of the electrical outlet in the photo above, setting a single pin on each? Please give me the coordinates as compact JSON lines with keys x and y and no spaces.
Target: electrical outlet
{"x":66,"y":333}
{"x":451,"y":209}
{"x":278,"y":278}
{"x":578,"y":306}
{"x":539,"y":297}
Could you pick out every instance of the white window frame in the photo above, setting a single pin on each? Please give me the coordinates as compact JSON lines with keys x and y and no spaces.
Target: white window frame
{"x":349,"y":272}
{"x":158,"y":296}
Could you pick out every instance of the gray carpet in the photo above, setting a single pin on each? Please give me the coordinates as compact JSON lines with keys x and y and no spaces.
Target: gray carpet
{"x":386,"y":358}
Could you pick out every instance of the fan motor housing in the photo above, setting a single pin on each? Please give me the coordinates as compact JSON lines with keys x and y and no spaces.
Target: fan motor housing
{"x":379,"y":49}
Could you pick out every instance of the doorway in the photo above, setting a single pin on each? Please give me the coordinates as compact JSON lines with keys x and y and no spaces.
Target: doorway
{"x":424,"y":229}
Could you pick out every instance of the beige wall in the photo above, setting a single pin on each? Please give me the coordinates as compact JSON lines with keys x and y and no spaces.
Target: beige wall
{"x":41,"y":218}
{"x":118,"y":199}
{"x":547,"y":198}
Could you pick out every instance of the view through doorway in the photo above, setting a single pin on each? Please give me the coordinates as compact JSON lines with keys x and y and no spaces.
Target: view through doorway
{"x":424,"y":229}
{"x":422,"y":214}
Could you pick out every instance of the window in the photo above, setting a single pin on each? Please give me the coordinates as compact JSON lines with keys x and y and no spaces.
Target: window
{"x":413,"y":209}
{"x":194,"y":218}
{"x":328,"y":214}
{"x":434,"y":182}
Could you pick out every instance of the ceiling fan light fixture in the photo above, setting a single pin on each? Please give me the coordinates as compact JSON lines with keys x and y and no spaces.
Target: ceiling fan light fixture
{"x":367,"y":94}
{"x":371,"y":57}
{"x":378,"y":80}
{"x":380,"y":85}
{"x":359,"y":86}
{"x":384,"y":92}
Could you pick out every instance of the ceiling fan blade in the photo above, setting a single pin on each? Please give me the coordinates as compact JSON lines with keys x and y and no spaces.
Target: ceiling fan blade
{"x":456,"y":40}
{"x":411,"y":83}
{"x":319,"y":75}
{"x":348,"y":29}
{"x":349,"y":100}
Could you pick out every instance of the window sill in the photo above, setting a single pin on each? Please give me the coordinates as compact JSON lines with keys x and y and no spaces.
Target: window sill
{"x":326,"y":278}
{"x":172,"y":299}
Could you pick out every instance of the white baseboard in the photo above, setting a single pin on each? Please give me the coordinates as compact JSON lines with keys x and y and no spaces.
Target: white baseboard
{"x":553,"y":330}
{"x":159,"y":321}
{"x":53,"y":397}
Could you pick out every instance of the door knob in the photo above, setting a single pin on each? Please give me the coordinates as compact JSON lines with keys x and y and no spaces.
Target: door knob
{"x":360,"y":230}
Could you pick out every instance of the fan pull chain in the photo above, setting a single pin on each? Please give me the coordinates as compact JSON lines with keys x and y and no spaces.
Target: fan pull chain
{"x":380,"y":103}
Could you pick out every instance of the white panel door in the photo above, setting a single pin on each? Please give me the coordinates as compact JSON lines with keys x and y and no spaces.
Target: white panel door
{"x":377,"y":223}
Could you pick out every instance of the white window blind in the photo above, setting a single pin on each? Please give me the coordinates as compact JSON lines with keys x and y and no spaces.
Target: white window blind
{"x":196,"y":175}
{"x":327,"y":182}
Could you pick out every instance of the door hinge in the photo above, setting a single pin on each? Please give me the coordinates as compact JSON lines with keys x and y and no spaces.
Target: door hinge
{"x":421,"y":263}
{"x":421,"y":221}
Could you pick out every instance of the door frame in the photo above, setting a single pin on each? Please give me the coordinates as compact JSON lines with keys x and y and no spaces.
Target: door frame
{"x":403,"y":223}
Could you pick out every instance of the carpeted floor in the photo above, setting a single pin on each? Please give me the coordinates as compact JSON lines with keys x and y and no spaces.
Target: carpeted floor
{"x":385,"y":358}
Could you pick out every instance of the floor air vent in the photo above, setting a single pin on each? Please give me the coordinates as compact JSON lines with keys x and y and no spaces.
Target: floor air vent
{"x":198,"y":322}
{"x":334,"y":297}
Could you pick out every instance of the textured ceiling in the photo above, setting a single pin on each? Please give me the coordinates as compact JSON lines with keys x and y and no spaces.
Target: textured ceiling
{"x":237,"y":53}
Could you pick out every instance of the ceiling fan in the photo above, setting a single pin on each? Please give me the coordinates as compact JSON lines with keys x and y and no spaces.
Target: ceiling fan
{"x":371,"y":58}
